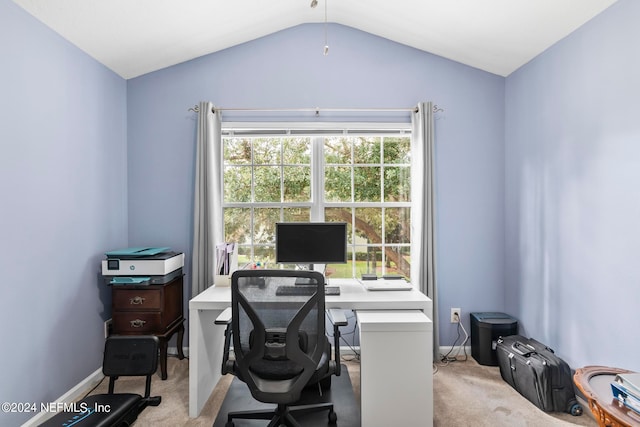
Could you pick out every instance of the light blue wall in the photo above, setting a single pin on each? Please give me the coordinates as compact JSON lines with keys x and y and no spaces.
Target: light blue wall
{"x":62,"y":203}
{"x":572,"y":192}
{"x":287,"y":69}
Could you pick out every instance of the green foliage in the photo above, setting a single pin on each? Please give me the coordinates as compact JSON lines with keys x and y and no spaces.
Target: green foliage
{"x":365,"y":169}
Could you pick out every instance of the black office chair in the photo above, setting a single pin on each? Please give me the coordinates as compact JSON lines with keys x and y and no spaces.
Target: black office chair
{"x":279,"y":342}
{"x":123,"y":356}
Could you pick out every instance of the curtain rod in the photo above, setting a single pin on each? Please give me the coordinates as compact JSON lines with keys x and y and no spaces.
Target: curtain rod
{"x":317,"y":111}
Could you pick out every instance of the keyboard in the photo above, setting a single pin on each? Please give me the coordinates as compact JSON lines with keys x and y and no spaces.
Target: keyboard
{"x":293,"y":290}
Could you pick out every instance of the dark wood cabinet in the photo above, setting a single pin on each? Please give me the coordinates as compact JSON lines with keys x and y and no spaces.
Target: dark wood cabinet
{"x":150,"y":310}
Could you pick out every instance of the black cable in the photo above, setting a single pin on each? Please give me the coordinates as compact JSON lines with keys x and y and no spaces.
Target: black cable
{"x":445,"y":358}
{"x":94,"y":388}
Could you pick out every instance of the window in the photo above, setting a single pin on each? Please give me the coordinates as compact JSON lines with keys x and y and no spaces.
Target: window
{"x":360,"y":178}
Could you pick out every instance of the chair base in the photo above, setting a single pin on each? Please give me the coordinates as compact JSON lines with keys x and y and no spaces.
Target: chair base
{"x":283,"y":414}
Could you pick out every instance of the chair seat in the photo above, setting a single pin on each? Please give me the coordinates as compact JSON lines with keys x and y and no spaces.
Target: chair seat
{"x":276,"y":369}
{"x":287,"y":369}
{"x":100,"y":410}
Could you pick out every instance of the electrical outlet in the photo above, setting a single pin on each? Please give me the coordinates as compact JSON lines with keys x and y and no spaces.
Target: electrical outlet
{"x":456,"y":315}
{"x":108,"y":326}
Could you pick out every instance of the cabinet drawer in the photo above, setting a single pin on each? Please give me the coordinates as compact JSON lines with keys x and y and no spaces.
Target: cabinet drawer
{"x":137,"y":299}
{"x":124,"y":323}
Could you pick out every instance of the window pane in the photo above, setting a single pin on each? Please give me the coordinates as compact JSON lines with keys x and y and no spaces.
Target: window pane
{"x":264,"y":255}
{"x":237,"y":184}
{"x":267,"y":184}
{"x":366,"y":184}
{"x":398,"y":260}
{"x":397,"y":150}
{"x":368,"y":225}
{"x":397,"y":184}
{"x":266,"y":151}
{"x":397,"y":223}
{"x":265,"y":224}
{"x":341,"y":270}
{"x":368,"y":260}
{"x":237,"y":151}
{"x":340,"y":215}
{"x":337,"y":151}
{"x":366,"y":150}
{"x":337,"y":184}
{"x":297,"y":183}
{"x":297,"y":151}
{"x":244,"y":255}
{"x":237,"y":225}
{"x":297,"y":215}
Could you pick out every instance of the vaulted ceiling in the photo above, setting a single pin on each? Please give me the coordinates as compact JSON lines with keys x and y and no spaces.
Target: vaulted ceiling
{"x":135,"y":37}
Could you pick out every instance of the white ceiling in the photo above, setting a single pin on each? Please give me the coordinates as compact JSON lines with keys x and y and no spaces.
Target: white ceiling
{"x":134,"y":37}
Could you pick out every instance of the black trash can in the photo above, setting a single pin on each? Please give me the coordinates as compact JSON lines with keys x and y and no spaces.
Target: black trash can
{"x":486,"y":328}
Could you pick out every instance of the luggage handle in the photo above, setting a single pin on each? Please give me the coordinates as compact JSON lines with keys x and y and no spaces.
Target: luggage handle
{"x":546,"y":347}
{"x":519,"y":347}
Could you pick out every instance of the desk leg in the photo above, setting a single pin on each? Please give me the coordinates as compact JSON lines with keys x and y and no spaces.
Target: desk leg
{"x":206,"y":341}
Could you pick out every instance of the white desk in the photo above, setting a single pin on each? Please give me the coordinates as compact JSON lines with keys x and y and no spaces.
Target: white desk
{"x":206,"y":339}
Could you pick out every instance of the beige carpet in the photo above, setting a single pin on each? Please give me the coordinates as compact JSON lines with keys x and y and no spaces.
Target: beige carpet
{"x":465,"y":394}
{"x":469,"y":394}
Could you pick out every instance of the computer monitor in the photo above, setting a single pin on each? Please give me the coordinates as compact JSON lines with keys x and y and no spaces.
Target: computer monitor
{"x":311,"y":243}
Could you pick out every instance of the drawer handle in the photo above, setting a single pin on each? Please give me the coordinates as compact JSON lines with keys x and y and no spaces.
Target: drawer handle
{"x":136,"y":300}
{"x":137,"y":323}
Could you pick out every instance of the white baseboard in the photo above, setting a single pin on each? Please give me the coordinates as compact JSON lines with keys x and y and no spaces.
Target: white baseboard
{"x":454,"y":350}
{"x":173,"y":351}
{"x":76,"y":393}
{"x":350,"y":351}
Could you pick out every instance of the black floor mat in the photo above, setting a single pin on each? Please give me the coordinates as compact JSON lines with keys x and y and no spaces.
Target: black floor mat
{"x":239,"y":398}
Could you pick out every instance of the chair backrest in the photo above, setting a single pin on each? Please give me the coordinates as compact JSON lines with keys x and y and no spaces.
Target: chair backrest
{"x":278,"y":338}
{"x":130,"y":355}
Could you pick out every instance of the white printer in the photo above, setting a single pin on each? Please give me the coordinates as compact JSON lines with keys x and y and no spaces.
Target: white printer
{"x":159,"y":264}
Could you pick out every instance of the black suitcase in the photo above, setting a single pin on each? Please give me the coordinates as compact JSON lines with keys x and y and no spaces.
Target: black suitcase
{"x":537,"y":373}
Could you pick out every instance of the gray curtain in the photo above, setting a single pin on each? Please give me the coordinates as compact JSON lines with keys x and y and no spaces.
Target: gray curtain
{"x":423,"y":223}
{"x":208,"y":225}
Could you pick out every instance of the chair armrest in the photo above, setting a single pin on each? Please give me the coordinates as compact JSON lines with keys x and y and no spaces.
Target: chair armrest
{"x":338,"y":317}
{"x":224,"y":318}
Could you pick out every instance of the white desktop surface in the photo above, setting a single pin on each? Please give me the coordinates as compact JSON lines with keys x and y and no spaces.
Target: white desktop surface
{"x":206,"y":339}
{"x":352,"y":296}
